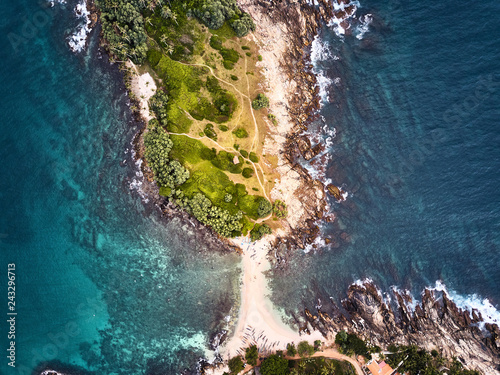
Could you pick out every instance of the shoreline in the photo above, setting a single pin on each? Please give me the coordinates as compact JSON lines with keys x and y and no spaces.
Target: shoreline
{"x":257,"y":314}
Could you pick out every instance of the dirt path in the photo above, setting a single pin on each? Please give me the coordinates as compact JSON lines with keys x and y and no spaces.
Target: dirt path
{"x":229,"y":150}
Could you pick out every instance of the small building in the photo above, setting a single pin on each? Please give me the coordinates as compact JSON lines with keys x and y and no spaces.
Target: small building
{"x":381,"y":368}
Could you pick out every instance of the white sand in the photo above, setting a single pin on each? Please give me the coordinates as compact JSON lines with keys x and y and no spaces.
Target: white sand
{"x":143,"y":87}
{"x":258,"y":322}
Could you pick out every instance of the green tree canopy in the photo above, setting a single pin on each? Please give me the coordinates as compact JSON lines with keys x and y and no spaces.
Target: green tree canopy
{"x":235,"y":365}
{"x":251,"y":355}
{"x":274,"y":365}
{"x":261,"y":101}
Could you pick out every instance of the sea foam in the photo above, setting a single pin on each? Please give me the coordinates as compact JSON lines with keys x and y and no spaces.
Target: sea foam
{"x":78,"y":39}
{"x":469,"y":302}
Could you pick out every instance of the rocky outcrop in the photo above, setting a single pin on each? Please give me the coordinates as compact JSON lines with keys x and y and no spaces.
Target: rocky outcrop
{"x":435,"y":323}
{"x":336,"y":192}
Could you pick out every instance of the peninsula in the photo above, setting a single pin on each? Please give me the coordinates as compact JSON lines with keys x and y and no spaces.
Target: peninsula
{"x":226,"y":91}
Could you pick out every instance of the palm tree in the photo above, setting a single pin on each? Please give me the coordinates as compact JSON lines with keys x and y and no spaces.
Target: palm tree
{"x":148,"y":20}
{"x":170,"y":49}
{"x":174,"y":17}
{"x":166,"y":12}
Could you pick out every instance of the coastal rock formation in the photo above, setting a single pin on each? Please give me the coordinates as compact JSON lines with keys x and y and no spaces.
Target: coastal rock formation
{"x":435,"y":323}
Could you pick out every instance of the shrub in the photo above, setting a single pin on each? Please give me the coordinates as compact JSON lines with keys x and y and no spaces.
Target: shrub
{"x":233,"y":77}
{"x":235,"y":365}
{"x":247,"y":172}
{"x":261,"y":101}
{"x":251,"y":355}
{"x":253,"y":157}
{"x":154,"y":57}
{"x":223,"y":128}
{"x":244,"y":153}
{"x":210,"y":132}
{"x":280,"y":209}
{"x":304,"y":349}
{"x":248,"y":54}
{"x":273,"y":119}
{"x":240,"y":133}
{"x":265,"y":207}
{"x":259,"y":57}
{"x":216,"y":42}
{"x":246,"y":48}
{"x":274,"y":365}
{"x":291,"y":350}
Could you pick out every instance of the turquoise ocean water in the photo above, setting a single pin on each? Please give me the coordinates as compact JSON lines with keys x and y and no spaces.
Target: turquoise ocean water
{"x":411,"y":114}
{"x":101,"y":282}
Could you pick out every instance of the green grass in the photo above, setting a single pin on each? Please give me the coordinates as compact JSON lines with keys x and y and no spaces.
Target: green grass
{"x":225,"y":31}
{"x":207,"y":176}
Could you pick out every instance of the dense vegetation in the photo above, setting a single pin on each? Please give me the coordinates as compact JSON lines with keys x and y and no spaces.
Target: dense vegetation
{"x":418,"y":361}
{"x":320,"y":366}
{"x":124,"y":22}
{"x":274,"y":365}
{"x":251,"y":355}
{"x":349,"y":343}
{"x":190,"y":103}
{"x":235,"y":365}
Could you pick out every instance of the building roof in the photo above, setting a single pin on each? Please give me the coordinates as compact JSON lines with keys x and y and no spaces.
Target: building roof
{"x":381,"y":368}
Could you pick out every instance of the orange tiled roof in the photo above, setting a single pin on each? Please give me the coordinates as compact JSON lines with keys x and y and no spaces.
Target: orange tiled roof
{"x":381,"y":368}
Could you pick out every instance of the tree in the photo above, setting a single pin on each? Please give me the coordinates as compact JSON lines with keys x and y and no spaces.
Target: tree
{"x":305,"y":349}
{"x":251,"y":355}
{"x":235,"y":365}
{"x":291,"y":350}
{"x":274,"y":365}
{"x":243,"y":25}
{"x":158,"y":104}
{"x":261,"y":101}
{"x":259,"y":231}
{"x":228,"y":198}
{"x":317,"y":345}
{"x":265,"y":208}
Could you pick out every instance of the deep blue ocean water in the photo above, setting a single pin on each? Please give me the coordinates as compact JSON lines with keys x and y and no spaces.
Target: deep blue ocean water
{"x":415,"y":103}
{"x":101,"y":282}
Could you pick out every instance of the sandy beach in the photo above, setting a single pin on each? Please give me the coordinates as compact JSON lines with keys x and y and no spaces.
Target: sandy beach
{"x":143,"y":87}
{"x":258,"y":322}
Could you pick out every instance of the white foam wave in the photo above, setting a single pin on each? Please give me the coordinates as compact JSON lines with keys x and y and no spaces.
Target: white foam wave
{"x":78,"y":39}
{"x":54,"y":2}
{"x":342,"y":13}
{"x":319,"y":242}
{"x":137,"y":182}
{"x":320,"y":50}
{"x":410,"y":301}
{"x":364,"y":25}
{"x":324,"y":83}
{"x":469,"y":302}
